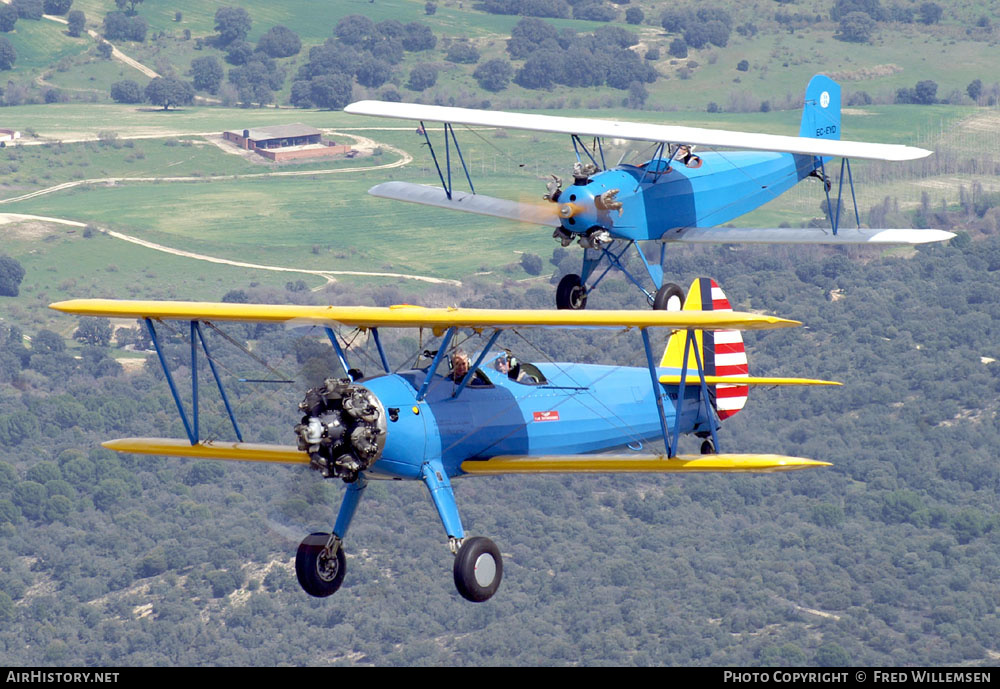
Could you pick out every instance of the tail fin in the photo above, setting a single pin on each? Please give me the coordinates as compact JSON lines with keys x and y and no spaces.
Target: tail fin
{"x":821,"y":112}
{"x":721,"y":351}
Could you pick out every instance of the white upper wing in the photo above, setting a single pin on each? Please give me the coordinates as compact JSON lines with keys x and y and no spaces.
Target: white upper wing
{"x":638,"y":131}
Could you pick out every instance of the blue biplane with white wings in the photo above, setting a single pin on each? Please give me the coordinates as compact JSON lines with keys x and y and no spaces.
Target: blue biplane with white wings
{"x":676,"y":195}
{"x":498,"y":416}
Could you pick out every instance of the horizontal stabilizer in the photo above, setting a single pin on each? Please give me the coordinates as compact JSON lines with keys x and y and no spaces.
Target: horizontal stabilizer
{"x":693,"y":379}
{"x":470,"y":203}
{"x":637,"y":131}
{"x":802,"y":235}
{"x":175,"y":447}
{"x":406,"y":316}
{"x":611,"y":464}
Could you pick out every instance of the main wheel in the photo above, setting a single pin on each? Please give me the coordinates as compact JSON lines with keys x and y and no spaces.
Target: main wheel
{"x":670,"y":297}
{"x":319,"y":575}
{"x":478,"y":569}
{"x":571,"y":293}
{"x":707,"y":447}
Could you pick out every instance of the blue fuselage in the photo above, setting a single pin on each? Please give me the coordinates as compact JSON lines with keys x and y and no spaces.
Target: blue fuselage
{"x":724,"y":187}
{"x":580,"y":408}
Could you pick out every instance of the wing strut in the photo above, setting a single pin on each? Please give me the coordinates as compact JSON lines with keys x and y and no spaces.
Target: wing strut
{"x":434,"y":364}
{"x":448,"y":130}
{"x":191,"y":426}
{"x":340,"y":352}
{"x":472,"y":369}
{"x":835,"y":216}
{"x":690,"y":344}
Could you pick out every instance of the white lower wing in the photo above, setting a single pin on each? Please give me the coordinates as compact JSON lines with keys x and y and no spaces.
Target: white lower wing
{"x":803,"y":235}
{"x":470,"y":203}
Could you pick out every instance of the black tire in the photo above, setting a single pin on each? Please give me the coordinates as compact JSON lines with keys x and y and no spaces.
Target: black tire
{"x":707,"y":447}
{"x":319,"y":576}
{"x":478,"y":569}
{"x":670,"y":297}
{"x":571,"y":294}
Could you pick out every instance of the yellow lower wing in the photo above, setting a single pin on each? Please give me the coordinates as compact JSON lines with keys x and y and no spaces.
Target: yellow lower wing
{"x":607,"y":464}
{"x":174,"y":447}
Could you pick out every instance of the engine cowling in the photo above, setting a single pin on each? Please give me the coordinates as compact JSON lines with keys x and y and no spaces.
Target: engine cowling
{"x":343,"y":428}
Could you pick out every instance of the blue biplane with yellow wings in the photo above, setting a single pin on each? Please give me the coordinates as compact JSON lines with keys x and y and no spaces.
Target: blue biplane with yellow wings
{"x":493,"y":416}
{"x":675,"y":195}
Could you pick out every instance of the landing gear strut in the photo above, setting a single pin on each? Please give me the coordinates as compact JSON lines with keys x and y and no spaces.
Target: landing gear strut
{"x":478,"y":569}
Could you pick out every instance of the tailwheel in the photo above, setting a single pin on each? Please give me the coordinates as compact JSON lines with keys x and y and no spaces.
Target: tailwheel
{"x":707,"y":447}
{"x":478,"y":569}
{"x":571,"y":293}
{"x":319,"y":573}
{"x":670,"y":297}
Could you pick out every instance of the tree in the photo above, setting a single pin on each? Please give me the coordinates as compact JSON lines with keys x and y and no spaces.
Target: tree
{"x":357,"y":30}
{"x":206,"y":73}
{"x":856,"y":27}
{"x":742,"y":66}
{"x":463,"y":53}
{"x":126,"y":91}
{"x":77,"y":21}
{"x":257,"y":81}
{"x":418,"y":37}
{"x":232,"y":24}
{"x":57,"y":7}
{"x":926,"y":92}
{"x":872,"y":8}
{"x":422,"y":77}
{"x":595,"y":11}
{"x":430,"y":8}
{"x":29,"y":9}
{"x":537,"y":70}
{"x":8,"y":18}
{"x":634,"y":15}
{"x":239,"y":53}
{"x":279,"y":41}
{"x":637,"y":95}
{"x":301,"y":94}
{"x":527,"y":35}
{"x":119,"y":26}
{"x":493,"y":75}
{"x":330,"y":91}
{"x":930,"y":13}
{"x":11,"y":272}
{"x":105,"y":50}
{"x":94,"y":331}
{"x":372,"y":72}
{"x":47,"y":342}
{"x":678,"y":48}
{"x":531,"y":263}
{"x":974,"y":89}
{"x":122,"y":4}
{"x":167,"y":91}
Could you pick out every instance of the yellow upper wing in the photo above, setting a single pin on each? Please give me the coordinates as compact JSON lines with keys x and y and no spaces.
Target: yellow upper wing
{"x":419,"y":317}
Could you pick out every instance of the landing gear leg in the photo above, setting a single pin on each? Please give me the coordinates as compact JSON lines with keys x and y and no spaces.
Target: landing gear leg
{"x":478,"y":566}
{"x":320,"y":563}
